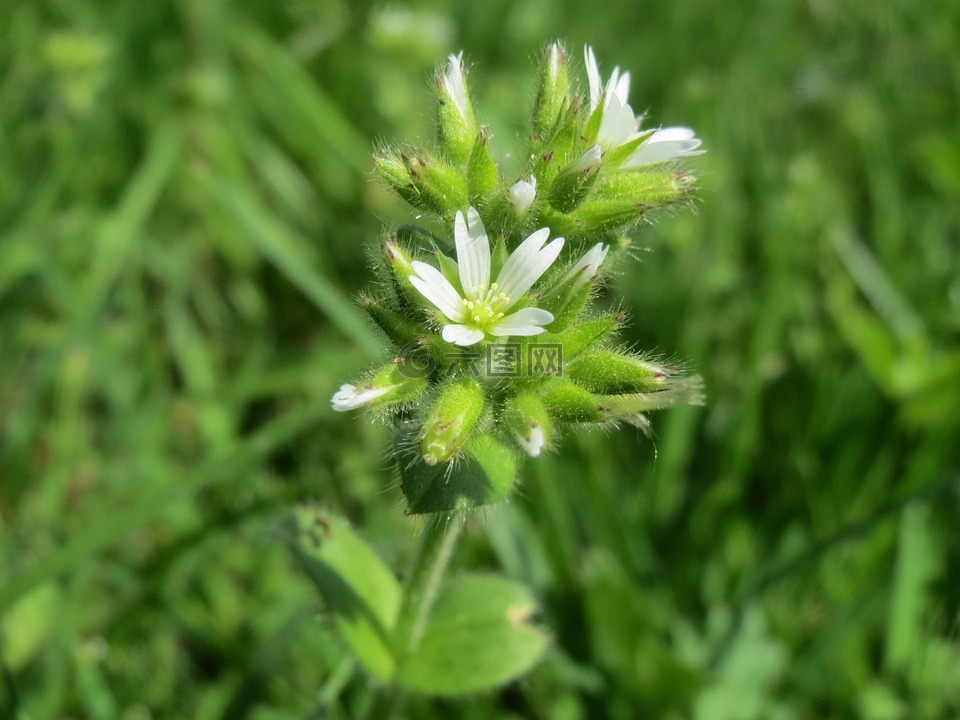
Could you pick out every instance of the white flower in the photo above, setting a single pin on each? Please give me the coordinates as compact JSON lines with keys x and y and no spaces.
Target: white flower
{"x":522,"y":195}
{"x":350,"y":397}
{"x":618,"y":124}
{"x":587,"y":267}
{"x":454,"y":85}
{"x":533,"y":442}
{"x":480,"y":307}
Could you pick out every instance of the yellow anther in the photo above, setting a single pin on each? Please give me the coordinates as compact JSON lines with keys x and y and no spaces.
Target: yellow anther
{"x":503,"y":296}
{"x":499,"y":315}
{"x":494,"y":286}
{"x":476,"y":318}
{"x":470,"y":304}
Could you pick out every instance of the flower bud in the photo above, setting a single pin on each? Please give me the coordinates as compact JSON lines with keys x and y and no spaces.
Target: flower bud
{"x":424,"y":181}
{"x":441,"y":188}
{"x":553,"y":91}
{"x":572,"y":184}
{"x":640,"y":190}
{"x":568,"y":402}
{"x":399,"y":265}
{"x":456,"y":127}
{"x":583,"y":335}
{"x":385,"y":389}
{"x":454,"y":417}
{"x":522,"y":194}
{"x":609,"y":372}
{"x":391,"y":165}
{"x":398,"y":329}
{"x":529,"y":424}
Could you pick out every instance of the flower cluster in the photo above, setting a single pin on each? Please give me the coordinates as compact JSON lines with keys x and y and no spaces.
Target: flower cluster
{"x":495,"y":342}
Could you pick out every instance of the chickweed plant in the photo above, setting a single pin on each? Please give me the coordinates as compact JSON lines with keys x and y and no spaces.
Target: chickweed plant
{"x":500,"y":344}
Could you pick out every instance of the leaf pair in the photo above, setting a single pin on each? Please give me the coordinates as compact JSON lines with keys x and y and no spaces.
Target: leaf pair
{"x":477,"y":636}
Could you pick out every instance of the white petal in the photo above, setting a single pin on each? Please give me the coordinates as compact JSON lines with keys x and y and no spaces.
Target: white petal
{"x":618,"y":123}
{"x":473,"y":251}
{"x":527,"y":263}
{"x":622,"y":88}
{"x":666,"y":144}
{"x":522,"y":195}
{"x":533,"y":443}
{"x":593,"y":76}
{"x":453,"y":83}
{"x":587,"y":266}
{"x":526,"y":321}
{"x":461,"y":334}
{"x":590,"y":160}
{"x":431,"y":283}
{"x":350,"y":397}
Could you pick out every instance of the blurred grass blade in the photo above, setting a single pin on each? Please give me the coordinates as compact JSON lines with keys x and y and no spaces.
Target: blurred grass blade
{"x":121,"y":229}
{"x":278,"y":243}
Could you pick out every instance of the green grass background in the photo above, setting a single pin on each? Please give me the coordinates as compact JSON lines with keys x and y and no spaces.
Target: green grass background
{"x":186,"y":209}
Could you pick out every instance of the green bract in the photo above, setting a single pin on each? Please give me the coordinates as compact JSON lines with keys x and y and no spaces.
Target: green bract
{"x":495,"y":347}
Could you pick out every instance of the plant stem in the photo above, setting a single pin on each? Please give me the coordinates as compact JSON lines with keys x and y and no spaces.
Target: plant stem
{"x":435,"y":552}
{"x":430,"y":565}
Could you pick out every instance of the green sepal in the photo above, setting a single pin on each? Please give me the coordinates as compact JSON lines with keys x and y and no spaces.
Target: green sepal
{"x":404,"y":386}
{"x":391,"y":166}
{"x":449,"y":269}
{"x":591,"y":128}
{"x":566,"y":306}
{"x":442,"y":188}
{"x":572,"y":185}
{"x":582,"y":336}
{"x":618,"y":155}
{"x":484,"y":473}
{"x":610,"y":372}
{"x":552,"y":92}
{"x":555,"y":149}
{"x":399,"y":329}
{"x":478,"y":638}
{"x":451,"y":422}
{"x":643,"y":189}
{"x":482,"y":177}
{"x":398,"y":263}
{"x":360,"y":593}
{"x":594,"y":217}
{"x":568,"y":402}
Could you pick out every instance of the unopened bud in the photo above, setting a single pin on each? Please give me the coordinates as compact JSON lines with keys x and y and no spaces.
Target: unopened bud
{"x":609,"y":372}
{"x":387,"y":388}
{"x":553,"y":91}
{"x":454,"y":417}
{"x":528,"y":423}
{"x":457,"y":128}
{"x":522,"y":194}
{"x":568,"y":402}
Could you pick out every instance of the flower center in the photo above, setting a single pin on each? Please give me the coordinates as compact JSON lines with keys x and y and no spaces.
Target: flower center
{"x":484,"y":305}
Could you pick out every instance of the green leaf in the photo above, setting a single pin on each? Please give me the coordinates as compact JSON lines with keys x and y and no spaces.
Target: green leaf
{"x":482,"y":475}
{"x":360,"y":592}
{"x":478,"y":638}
